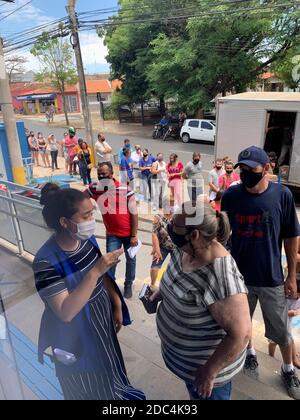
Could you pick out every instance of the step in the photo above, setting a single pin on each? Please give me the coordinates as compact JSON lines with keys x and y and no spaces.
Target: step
{"x":266,"y":386}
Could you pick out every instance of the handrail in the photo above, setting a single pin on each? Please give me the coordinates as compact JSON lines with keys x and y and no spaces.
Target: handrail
{"x":22,"y":187}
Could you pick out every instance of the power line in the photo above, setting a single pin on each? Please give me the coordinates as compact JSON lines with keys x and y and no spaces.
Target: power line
{"x":15,"y":42}
{"x":122,"y":21}
{"x":16,"y":10}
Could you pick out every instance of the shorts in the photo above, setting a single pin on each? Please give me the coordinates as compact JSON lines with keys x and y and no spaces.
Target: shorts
{"x":42,"y":151}
{"x":275,"y":312}
{"x":164,"y":253}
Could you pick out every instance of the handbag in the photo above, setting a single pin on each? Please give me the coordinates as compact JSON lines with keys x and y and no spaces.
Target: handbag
{"x":88,"y":165}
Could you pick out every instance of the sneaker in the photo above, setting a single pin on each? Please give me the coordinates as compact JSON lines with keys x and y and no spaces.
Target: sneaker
{"x":292,"y":384}
{"x":251,"y":363}
{"x":128,"y":291}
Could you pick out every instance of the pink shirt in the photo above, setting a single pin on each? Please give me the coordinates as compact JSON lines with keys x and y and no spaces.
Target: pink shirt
{"x":228,"y":180}
{"x":71,"y":141}
{"x":175,"y":170}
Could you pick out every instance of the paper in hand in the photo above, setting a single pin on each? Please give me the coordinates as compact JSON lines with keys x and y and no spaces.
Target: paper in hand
{"x":132,"y":252}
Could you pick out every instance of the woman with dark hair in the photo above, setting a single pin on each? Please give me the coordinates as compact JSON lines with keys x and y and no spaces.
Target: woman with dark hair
{"x":85,"y":163}
{"x":84,"y":308}
{"x":175,"y":170}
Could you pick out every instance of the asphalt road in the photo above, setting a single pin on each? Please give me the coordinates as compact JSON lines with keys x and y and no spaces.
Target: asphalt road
{"x":184,"y":151}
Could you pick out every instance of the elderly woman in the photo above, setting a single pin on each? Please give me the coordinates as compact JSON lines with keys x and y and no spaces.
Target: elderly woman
{"x":203,"y":319}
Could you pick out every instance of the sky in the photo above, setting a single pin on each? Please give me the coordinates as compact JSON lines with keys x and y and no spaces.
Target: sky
{"x":45,"y":11}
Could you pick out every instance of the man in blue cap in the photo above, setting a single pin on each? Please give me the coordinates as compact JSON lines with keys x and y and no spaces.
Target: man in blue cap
{"x":262,"y":215}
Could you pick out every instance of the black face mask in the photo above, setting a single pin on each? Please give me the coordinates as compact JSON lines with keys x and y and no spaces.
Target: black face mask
{"x":218,"y":168}
{"x":196,"y":161}
{"x":251,"y":179}
{"x":179,"y":240}
{"x":229,"y":172}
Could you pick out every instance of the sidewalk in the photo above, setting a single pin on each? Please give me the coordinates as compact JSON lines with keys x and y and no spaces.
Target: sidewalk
{"x":76,"y":120}
{"x":140,"y":345}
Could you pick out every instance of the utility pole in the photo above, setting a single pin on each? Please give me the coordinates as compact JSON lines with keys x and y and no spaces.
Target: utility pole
{"x":82,"y":84}
{"x":10,"y":124}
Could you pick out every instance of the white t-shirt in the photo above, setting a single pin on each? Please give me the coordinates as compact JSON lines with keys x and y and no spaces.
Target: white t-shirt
{"x":213,"y":178}
{"x":162,"y":167}
{"x":136,"y":157}
{"x":101,"y":156}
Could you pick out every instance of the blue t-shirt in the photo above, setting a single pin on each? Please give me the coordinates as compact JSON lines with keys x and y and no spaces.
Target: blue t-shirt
{"x":127,"y":165}
{"x":143,"y":163}
{"x":259,"y":224}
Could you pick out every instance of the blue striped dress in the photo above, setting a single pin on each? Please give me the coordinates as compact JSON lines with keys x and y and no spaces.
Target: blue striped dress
{"x":111,"y":384}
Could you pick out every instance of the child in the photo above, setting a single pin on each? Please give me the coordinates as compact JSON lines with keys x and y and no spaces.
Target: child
{"x":216,"y":204}
{"x":161,"y":242}
{"x":293,"y":311}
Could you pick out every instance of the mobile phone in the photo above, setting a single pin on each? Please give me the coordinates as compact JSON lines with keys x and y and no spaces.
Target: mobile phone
{"x":144,"y":296}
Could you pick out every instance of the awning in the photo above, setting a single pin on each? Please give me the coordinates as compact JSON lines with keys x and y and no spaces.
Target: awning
{"x":33,"y":97}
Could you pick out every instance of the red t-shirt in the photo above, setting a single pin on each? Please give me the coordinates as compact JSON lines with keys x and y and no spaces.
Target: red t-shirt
{"x":175,"y":170}
{"x":113,"y":203}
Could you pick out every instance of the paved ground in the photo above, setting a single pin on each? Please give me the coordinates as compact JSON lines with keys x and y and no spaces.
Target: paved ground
{"x":116,"y":133}
{"x":140,"y":342}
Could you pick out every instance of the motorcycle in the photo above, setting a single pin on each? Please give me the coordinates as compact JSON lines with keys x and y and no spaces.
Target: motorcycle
{"x":159,"y":131}
{"x":172,"y":131}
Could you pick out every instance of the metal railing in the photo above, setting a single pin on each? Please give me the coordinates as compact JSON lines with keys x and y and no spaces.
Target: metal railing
{"x":21,"y":220}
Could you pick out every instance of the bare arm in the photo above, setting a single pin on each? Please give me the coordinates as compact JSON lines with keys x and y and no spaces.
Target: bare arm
{"x":291,"y":250}
{"x":213,"y":187}
{"x":68,"y":305}
{"x":134,"y":220}
{"x":107,"y":149}
{"x":233,"y":316}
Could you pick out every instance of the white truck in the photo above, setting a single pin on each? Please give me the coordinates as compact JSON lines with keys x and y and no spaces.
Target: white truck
{"x":270,"y":120}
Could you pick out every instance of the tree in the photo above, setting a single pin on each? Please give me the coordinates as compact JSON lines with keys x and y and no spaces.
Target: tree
{"x":15,"y":65}
{"x":288,"y":69}
{"x":128,"y":45}
{"x":192,"y":50}
{"x":56,"y":58}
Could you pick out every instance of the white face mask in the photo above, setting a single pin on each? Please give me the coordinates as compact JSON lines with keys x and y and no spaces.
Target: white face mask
{"x":85,"y":230}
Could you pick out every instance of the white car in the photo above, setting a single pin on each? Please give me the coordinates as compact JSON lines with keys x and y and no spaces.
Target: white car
{"x":202,"y":130}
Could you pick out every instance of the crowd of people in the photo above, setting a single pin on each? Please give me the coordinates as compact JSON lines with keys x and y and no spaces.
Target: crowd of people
{"x":225,"y":251}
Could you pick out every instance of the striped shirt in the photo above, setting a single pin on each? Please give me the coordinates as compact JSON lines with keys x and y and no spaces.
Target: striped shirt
{"x":188,"y":332}
{"x":111,"y":383}
{"x":49,"y":283}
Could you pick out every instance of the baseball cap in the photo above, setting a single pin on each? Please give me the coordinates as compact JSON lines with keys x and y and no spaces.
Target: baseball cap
{"x":253,"y":157}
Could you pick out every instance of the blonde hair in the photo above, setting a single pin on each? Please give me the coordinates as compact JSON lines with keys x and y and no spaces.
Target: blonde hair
{"x":214,"y":225}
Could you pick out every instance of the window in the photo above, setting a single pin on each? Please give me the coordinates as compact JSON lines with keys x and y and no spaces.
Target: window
{"x":206,"y":126}
{"x":72,"y":103}
{"x":194,"y":124}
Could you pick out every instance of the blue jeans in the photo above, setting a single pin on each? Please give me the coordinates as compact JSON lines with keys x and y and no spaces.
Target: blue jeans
{"x":219,"y":394}
{"x":112,"y":244}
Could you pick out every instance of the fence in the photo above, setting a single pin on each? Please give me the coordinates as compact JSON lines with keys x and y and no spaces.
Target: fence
{"x":21,"y":220}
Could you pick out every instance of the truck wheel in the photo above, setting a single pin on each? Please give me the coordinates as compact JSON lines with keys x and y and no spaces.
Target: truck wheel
{"x":185,"y":138}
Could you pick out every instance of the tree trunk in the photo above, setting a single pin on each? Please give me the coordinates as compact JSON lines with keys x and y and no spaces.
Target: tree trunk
{"x":142,"y":112}
{"x":199,"y":114}
{"x":162,"y":106}
{"x":65,"y":108}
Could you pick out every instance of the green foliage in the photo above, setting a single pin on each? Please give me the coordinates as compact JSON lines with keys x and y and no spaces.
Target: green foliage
{"x":288,"y":69}
{"x":222,"y":48}
{"x":56,"y":58}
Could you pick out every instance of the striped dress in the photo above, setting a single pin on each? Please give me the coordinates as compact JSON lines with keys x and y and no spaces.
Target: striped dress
{"x":189,"y":334}
{"x":112,"y":384}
